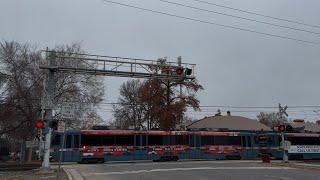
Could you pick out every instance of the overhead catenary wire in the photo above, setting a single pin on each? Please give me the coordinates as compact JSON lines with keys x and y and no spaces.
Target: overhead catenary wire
{"x":257,"y":14}
{"x":214,"y":24}
{"x":239,"y":17}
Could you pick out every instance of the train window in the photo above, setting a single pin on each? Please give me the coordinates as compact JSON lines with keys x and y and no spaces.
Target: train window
{"x":266,"y":140}
{"x":107,"y":140}
{"x":91,"y":140}
{"x":263,"y":138}
{"x":207,"y":140}
{"x":140,"y":140}
{"x":194,"y":141}
{"x":68,"y":141}
{"x":249,"y":141}
{"x":155,"y":140}
{"x":179,"y":140}
{"x":227,"y":140}
{"x":124,"y":140}
{"x":56,"y":140}
{"x":144,"y":140}
{"x":76,"y":141}
{"x":243,"y":141}
{"x":304,"y":140}
{"x":137,"y":140}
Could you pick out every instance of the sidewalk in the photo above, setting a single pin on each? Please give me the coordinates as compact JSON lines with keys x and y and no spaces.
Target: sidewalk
{"x":33,"y":175}
{"x":17,"y":166}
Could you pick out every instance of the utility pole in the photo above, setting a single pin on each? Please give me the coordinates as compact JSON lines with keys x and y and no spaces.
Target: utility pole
{"x":181,"y":116}
{"x":282,"y":110}
{"x":50,"y":85}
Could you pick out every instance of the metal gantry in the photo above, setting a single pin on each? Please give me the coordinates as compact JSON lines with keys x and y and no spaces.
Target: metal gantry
{"x":118,"y":66}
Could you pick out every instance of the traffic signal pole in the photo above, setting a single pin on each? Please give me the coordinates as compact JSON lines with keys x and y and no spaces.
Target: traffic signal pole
{"x":48,"y":101}
{"x":282,"y":110}
{"x":46,"y":157}
{"x":285,"y":156}
{"x":40,"y":144}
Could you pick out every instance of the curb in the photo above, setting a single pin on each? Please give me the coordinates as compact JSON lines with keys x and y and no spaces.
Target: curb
{"x":298,"y":166}
{"x":73,"y":174}
{"x":68,"y":174}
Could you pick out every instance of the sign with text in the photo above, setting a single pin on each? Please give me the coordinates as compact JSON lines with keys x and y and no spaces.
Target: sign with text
{"x":67,"y":111}
{"x":61,"y":126}
{"x":304,"y":149}
{"x":31,"y":144}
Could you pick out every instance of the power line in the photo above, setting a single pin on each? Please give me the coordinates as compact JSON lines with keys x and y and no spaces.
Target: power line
{"x":257,"y":14}
{"x":239,"y":17}
{"x":225,"y":106}
{"x":212,"y":113}
{"x":261,"y":107}
{"x":212,"y":23}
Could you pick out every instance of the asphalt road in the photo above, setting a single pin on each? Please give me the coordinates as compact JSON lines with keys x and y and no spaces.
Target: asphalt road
{"x":190,"y":170}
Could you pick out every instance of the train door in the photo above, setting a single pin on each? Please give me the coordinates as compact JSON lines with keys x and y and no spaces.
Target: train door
{"x":71,"y":148}
{"x":67,"y":151}
{"x":141,"y":152}
{"x":248,"y":151}
{"x":195,"y":144}
{"x":67,"y":146}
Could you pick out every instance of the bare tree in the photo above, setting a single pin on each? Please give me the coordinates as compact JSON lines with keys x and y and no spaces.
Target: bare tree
{"x":129,"y":111}
{"x":84,"y":91}
{"x":271,"y":119}
{"x":90,"y":119}
{"x":22,"y":89}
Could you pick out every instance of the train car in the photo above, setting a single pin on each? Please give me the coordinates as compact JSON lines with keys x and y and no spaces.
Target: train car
{"x":268,"y":143}
{"x":303,"y":146}
{"x":66,"y":147}
{"x":124,"y":145}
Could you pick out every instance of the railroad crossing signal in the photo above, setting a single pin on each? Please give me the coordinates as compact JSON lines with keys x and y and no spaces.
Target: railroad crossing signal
{"x":179,"y":71}
{"x":40,"y":115}
{"x":281,"y":128}
{"x":39,"y":119}
{"x":40,"y":124}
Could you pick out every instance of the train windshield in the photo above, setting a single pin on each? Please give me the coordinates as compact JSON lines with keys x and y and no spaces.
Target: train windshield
{"x":304,"y":140}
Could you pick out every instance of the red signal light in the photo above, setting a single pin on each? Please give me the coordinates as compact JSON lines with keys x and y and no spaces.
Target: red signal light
{"x":179,"y":71}
{"x":40,"y":124}
{"x":281,"y":128}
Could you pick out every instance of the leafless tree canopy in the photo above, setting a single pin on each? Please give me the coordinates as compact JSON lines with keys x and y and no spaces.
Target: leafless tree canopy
{"x":155,"y":103}
{"x":271,"y":119}
{"x":22,"y":84}
{"x":129,"y":112}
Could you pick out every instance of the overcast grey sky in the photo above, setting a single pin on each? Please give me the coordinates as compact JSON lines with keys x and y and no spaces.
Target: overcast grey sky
{"x":235,"y":67}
